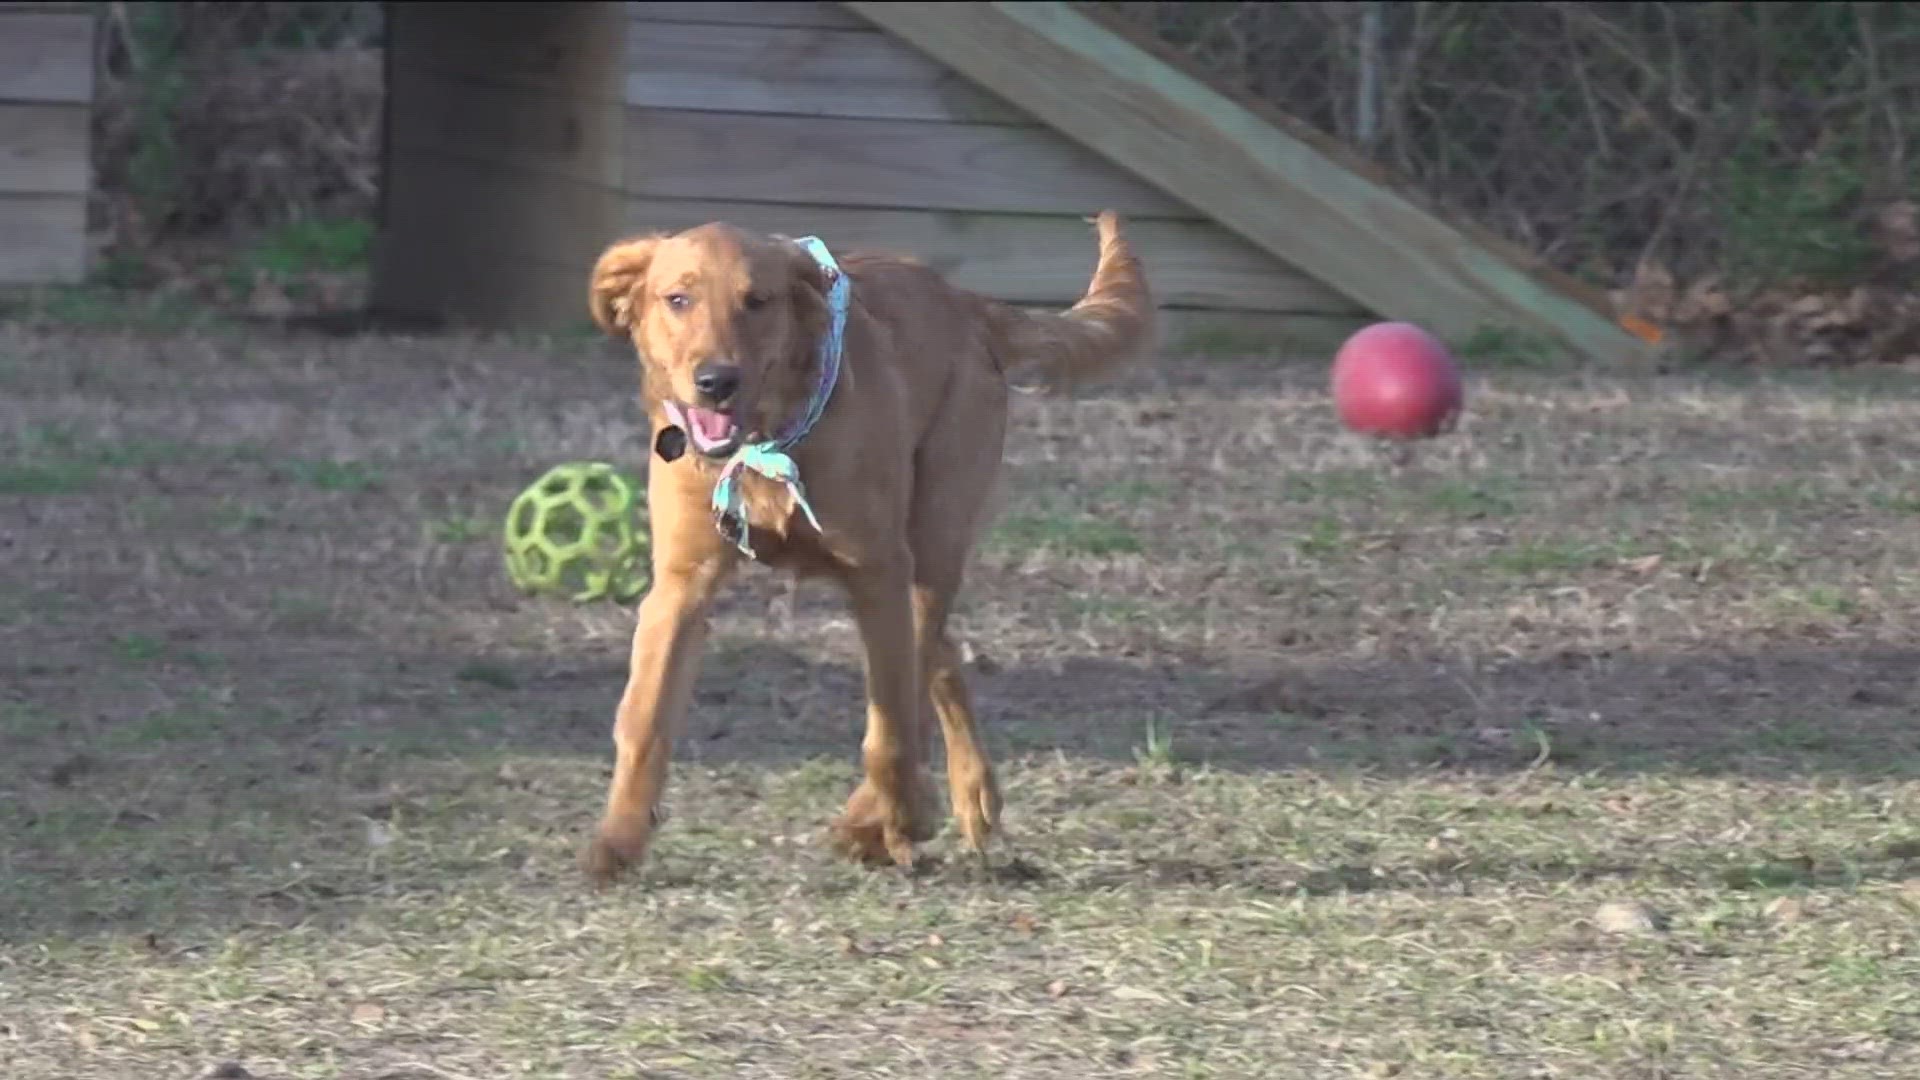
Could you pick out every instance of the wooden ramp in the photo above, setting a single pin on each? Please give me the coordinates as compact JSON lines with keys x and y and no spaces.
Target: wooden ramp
{"x":1270,"y":180}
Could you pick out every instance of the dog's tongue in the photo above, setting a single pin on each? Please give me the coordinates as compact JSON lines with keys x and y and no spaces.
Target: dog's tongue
{"x":712,"y":427}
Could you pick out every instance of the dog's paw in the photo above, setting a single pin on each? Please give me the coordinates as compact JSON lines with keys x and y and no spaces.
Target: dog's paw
{"x":976,"y":804}
{"x":607,"y":855}
{"x":878,"y":830}
{"x":868,"y":842}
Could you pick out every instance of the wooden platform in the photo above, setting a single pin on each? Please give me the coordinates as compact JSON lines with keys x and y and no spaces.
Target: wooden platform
{"x":523,"y":138}
{"x":46,"y":100}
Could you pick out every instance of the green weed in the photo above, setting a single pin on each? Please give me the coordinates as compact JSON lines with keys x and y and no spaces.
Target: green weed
{"x":311,"y":244}
{"x":1067,"y":535}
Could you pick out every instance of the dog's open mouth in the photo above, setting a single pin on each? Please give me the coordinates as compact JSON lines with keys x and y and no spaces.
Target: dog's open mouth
{"x":714,"y":434}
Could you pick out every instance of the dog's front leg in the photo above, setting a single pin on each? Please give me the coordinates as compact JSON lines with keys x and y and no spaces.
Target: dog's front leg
{"x":888,"y":813}
{"x":667,"y":643}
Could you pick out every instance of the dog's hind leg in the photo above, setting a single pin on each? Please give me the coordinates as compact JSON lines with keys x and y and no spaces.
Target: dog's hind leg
{"x":957,"y":465}
{"x":971,"y":786}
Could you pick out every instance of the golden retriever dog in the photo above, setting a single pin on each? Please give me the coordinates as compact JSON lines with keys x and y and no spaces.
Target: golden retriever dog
{"x":735,"y":337}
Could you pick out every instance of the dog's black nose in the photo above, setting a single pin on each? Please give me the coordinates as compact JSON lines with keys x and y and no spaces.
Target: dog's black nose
{"x":716,"y":380}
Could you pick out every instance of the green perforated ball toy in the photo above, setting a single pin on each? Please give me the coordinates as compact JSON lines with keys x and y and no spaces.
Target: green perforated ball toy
{"x":577,"y":533}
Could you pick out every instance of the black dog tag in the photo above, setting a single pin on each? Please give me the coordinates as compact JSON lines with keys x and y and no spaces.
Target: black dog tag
{"x":670,"y":443}
{"x":731,"y":527}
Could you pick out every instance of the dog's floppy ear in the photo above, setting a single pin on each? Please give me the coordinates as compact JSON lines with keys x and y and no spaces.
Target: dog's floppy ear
{"x":615,"y":281}
{"x":809,"y":277}
{"x":808,"y":288}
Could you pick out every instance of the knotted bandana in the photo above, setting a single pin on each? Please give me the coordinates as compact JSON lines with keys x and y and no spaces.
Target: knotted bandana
{"x":769,"y":458}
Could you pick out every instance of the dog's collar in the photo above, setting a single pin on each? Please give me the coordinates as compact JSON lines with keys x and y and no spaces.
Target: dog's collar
{"x":770,"y":458}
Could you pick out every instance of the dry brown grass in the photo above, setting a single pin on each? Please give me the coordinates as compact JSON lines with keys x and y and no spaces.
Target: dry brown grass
{"x":1315,"y":767}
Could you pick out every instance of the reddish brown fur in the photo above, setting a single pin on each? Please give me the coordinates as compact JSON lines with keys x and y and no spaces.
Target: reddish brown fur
{"x":898,"y":469}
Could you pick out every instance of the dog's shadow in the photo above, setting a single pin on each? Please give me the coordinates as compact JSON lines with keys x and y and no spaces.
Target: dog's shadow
{"x":1780,"y":713}
{"x":1783,"y":712}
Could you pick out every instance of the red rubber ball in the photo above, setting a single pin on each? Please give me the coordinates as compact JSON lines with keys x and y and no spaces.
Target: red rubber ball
{"x":1394,"y":380}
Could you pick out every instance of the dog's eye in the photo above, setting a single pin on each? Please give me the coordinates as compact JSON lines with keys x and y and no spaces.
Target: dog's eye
{"x":679,"y":301}
{"x":755,"y":301}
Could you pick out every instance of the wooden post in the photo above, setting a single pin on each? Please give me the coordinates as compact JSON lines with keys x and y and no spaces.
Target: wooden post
{"x":501,"y":160}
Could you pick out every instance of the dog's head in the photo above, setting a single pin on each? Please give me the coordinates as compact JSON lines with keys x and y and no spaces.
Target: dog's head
{"x":725,"y":323}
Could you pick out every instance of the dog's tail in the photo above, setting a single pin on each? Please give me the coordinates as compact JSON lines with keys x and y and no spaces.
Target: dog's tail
{"x":1111,"y":325}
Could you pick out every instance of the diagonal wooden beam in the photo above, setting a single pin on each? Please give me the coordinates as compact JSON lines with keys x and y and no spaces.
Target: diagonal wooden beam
{"x":1287,"y":189}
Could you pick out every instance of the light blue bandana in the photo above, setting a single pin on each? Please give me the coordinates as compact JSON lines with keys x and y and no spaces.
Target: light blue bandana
{"x":770,"y":458}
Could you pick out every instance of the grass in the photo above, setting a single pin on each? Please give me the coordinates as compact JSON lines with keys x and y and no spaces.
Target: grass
{"x":53,"y":461}
{"x":1579,"y":744}
{"x":334,"y":475}
{"x":103,"y":306}
{"x":311,"y":244}
{"x":1073,"y":535}
{"x":462,"y":529}
{"x":1550,"y":557}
